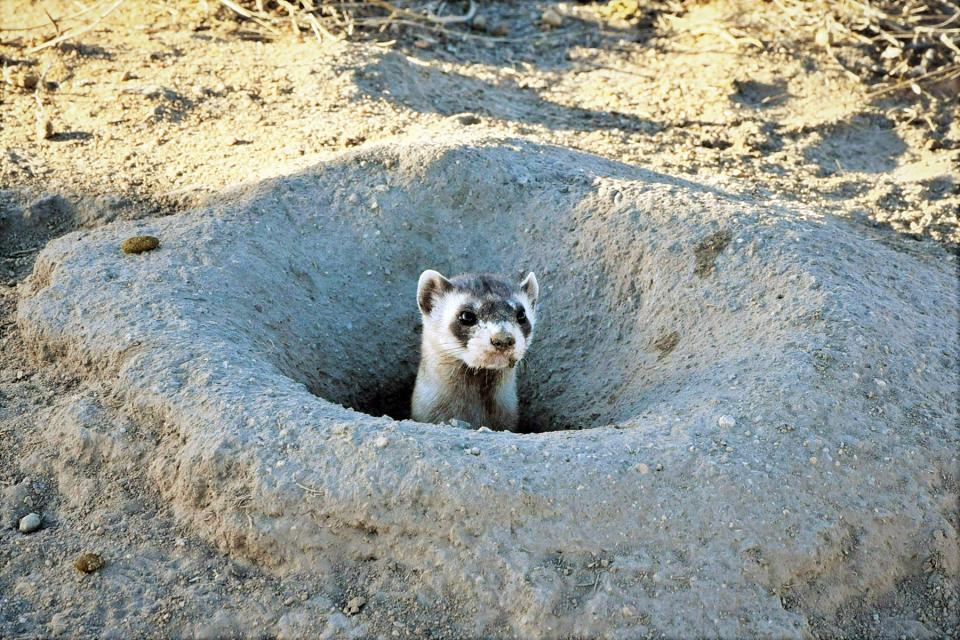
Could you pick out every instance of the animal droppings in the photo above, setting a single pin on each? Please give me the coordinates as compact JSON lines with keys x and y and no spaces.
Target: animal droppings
{"x":89,"y":562}
{"x":140,"y":244}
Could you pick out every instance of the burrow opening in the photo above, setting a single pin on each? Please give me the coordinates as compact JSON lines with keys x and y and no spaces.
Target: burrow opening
{"x":622,"y":320}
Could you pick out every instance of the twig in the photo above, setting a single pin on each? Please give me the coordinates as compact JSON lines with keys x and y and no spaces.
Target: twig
{"x":310,"y":490}
{"x":76,"y":32}
{"x":56,"y":27}
{"x":23,"y":252}
{"x":259,"y":18}
{"x":947,"y":73}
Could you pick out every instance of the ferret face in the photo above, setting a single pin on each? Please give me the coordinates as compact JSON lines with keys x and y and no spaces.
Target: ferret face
{"x":482,"y":320}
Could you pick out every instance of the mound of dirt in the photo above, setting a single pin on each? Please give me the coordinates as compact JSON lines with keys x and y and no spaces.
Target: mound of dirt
{"x":731,"y":435}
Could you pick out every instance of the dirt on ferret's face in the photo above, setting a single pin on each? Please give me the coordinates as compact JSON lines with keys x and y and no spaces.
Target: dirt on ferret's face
{"x":483,"y":320}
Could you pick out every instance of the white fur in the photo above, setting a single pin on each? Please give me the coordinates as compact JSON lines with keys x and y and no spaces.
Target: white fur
{"x":481,"y":354}
{"x":442,"y":356}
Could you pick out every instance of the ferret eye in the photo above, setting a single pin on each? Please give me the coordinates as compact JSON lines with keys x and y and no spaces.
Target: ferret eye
{"x":468,"y":318}
{"x":521,"y":315}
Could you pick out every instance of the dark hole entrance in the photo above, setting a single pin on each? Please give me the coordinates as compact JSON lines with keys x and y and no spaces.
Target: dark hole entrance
{"x":390,"y":398}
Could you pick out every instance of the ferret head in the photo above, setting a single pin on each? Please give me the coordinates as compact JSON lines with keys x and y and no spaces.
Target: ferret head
{"x":483,"y":320}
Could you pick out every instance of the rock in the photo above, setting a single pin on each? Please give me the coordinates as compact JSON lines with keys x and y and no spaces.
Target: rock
{"x":460,"y":424}
{"x":140,"y":244}
{"x":822,"y":38}
{"x":499,"y":30}
{"x":89,"y":563}
{"x":551,"y":19}
{"x":381,"y":442}
{"x":479,"y":23}
{"x":474,"y":451}
{"x":468,"y":119}
{"x":726,"y":422}
{"x":354,"y":605}
{"x":29,"y":523}
{"x":28,"y":80}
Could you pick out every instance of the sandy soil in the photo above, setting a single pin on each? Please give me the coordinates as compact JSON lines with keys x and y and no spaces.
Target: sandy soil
{"x":163,"y":107}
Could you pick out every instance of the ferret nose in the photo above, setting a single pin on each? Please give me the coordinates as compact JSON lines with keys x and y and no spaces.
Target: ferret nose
{"x":502,"y":340}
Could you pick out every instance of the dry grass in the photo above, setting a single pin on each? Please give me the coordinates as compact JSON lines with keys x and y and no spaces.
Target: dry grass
{"x":343,"y":18}
{"x":890,"y":44}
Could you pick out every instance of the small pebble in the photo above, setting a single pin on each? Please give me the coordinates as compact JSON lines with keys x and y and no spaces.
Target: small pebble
{"x":139,"y":244}
{"x":28,"y":80}
{"x":726,"y":422}
{"x":468,"y":119}
{"x":479,"y":23}
{"x":460,"y":424}
{"x":822,"y":38}
{"x":880,"y":383}
{"x":381,"y":442}
{"x":30,"y":523}
{"x":551,"y":18}
{"x":813,"y":460}
{"x":354,"y":605}
{"x":499,"y":30}
{"x":643,"y":469}
{"x":89,"y":562}
{"x":474,"y":451}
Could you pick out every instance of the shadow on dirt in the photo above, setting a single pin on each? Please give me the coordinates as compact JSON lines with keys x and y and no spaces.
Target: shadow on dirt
{"x":865,"y":144}
{"x":427,"y":89}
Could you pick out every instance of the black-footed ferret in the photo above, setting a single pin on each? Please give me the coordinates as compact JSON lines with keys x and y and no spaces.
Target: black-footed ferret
{"x":476,"y":328}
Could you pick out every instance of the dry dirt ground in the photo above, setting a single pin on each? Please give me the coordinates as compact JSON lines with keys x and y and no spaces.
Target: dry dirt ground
{"x":164,"y":104}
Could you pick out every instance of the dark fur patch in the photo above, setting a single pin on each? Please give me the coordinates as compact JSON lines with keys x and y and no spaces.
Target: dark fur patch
{"x":484,"y":285}
{"x":429,"y":292}
{"x":493,"y":294}
{"x":525,"y":327}
{"x":460,"y":332}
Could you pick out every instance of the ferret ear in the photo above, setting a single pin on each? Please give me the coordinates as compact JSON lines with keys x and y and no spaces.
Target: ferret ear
{"x":431,"y":285}
{"x":530,"y":287}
